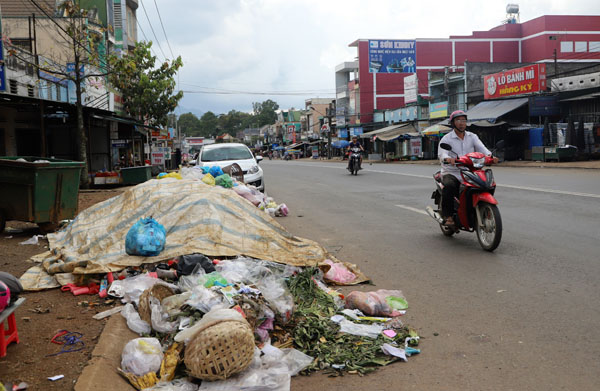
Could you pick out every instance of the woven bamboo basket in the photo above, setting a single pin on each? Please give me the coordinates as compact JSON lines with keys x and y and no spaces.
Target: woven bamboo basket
{"x":158,"y":291}
{"x":220,"y":350}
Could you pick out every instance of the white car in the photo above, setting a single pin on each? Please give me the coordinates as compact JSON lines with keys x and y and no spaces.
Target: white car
{"x":227,"y":153}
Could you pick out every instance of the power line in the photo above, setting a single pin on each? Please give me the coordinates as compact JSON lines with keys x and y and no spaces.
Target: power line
{"x":163,"y":28}
{"x":145,"y":38}
{"x":152,"y":28}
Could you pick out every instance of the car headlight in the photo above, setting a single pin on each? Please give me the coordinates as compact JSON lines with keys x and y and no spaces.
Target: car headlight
{"x":253,"y":170}
{"x":478,"y":163}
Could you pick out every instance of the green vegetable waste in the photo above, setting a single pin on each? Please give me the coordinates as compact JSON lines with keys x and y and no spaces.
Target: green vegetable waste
{"x":316,"y":335}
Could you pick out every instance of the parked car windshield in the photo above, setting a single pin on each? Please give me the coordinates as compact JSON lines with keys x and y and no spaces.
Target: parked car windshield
{"x":226,"y":153}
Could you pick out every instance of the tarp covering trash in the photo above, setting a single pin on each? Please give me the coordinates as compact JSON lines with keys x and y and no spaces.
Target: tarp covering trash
{"x":198,"y":219}
{"x":231,"y":301}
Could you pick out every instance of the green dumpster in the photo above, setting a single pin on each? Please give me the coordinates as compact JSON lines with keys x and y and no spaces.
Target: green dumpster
{"x":136,"y":175}
{"x":38,"y":190}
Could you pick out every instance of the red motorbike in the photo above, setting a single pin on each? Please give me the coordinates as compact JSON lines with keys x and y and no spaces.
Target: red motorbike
{"x":476,"y":208}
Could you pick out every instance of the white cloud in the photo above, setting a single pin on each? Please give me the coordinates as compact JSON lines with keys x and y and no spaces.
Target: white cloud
{"x":294,"y":45}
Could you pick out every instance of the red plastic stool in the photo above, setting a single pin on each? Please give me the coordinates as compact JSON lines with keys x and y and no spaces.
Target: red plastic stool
{"x":10,"y":335}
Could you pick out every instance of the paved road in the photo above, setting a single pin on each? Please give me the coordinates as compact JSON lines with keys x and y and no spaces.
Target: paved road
{"x":525,"y":317}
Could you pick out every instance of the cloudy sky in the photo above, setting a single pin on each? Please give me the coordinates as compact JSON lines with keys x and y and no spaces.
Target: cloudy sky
{"x":236,"y":52}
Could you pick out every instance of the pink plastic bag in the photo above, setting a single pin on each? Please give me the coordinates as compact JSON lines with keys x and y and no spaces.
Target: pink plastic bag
{"x":379,"y":303}
{"x":339,"y":273}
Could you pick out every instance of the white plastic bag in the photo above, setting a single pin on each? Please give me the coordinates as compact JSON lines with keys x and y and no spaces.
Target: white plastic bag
{"x":270,"y":372}
{"x":205,"y":299}
{"x":134,"y":322}
{"x":175,"y":385}
{"x":141,"y":355}
{"x":130,"y":289}
{"x":277,"y":294}
{"x":172,"y":304}
{"x":363,"y":330}
{"x":159,"y":318}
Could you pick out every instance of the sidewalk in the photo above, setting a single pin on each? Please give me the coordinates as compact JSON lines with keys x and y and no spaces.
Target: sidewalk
{"x":587,"y":164}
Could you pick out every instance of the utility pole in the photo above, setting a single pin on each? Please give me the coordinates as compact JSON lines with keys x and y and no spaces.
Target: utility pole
{"x":329,"y":131}
{"x":555,"y":64}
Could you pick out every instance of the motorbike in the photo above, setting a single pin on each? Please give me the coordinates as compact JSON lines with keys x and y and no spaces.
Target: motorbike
{"x":476,"y":209}
{"x":354,"y":161}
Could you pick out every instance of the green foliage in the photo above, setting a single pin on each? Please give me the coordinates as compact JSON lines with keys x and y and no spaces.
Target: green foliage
{"x":189,"y":124}
{"x":147,"y":88}
{"x":265,"y":112}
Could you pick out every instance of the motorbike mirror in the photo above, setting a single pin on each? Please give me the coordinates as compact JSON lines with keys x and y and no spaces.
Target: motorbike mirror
{"x":445,"y":146}
{"x":500,"y":144}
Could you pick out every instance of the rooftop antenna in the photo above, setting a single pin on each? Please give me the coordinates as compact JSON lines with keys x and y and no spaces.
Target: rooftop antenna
{"x":512,"y":14}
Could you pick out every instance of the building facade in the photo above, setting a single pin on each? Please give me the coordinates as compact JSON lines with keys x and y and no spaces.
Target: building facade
{"x":557,"y":40}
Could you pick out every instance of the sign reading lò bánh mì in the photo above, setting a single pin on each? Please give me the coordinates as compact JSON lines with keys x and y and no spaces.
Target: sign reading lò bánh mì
{"x":525,"y":80}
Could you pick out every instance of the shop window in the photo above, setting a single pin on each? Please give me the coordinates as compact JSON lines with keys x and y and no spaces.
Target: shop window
{"x":595,"y":46}
{"x":566,"y":47}
{"x":581,"y":47}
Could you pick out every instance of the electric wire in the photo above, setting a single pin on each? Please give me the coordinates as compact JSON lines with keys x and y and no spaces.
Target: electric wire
{"x":152,"y":28}
{"x":163,"y":29}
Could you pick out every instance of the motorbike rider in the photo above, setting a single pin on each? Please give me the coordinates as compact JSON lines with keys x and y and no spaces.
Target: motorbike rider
{"x":355,"y":144}
{"x":462,"y":142}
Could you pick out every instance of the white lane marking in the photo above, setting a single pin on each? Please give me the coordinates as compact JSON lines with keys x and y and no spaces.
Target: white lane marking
{"x":562,"y":192}
{"x":552,"y":191}
{"x":413,"y":209}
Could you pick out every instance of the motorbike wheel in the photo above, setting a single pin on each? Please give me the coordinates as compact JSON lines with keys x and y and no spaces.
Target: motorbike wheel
{"x":489,"y":233}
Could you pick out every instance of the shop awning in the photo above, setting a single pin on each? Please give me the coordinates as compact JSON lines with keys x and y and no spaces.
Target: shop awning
{"x":379,"y":131}
{"x":388,"y":130}
{"x":129,"y":121}
{"x":491,"y":110}
{"x":436,"y":129}
{"x":395,"y":133}
{"x":582,"y":97}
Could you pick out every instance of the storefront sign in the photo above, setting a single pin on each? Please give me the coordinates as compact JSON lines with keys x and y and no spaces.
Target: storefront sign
{"x":340,"y":121}
{"x":410,"y":88}
{"x":415,"y":147}
{"x":392,"y":56}
{"x":119,"y":143}
{"x":2,"y":76}
{"x":409,"y":113}
{"x":525,"y":80}
{"x":543,"y":105}
{"x":158,"y":158}
{"x":438,"y":110}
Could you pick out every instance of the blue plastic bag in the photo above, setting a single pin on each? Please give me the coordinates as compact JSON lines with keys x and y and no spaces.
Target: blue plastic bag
{"x":205,"y":169}
{"x":147,"y":238}
{"x":215,"y":171}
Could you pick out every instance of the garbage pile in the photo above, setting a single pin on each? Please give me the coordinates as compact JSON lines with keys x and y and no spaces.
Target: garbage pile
{"x":220,"y":293}
{"x":244,"y":322}
{"x":215,"y":176}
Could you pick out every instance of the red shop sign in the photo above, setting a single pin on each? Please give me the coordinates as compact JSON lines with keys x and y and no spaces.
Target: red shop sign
{"x":525,"y":80}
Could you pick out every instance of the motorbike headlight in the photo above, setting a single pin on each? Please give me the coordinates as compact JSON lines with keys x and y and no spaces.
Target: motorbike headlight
{"x":253,"y":170}
{"x":478,"y":163}
{"x":489,"y":177}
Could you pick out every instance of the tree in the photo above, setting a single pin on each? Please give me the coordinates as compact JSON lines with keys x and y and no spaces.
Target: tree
{"x":189,"y":124}
{"x":148,"y":90}
{"x":208,"y":124}
{"x":265,"y":112}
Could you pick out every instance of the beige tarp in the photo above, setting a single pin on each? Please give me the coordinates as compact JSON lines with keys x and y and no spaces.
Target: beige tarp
{"x":198,"y":219}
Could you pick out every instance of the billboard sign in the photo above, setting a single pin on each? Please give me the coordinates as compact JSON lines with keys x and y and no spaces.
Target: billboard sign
{"x":410,"y":88}
{"x":543,"y":105}
{"x":524,"y":80}
{"x":438,"y":110}
{"x":392,"y":56}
